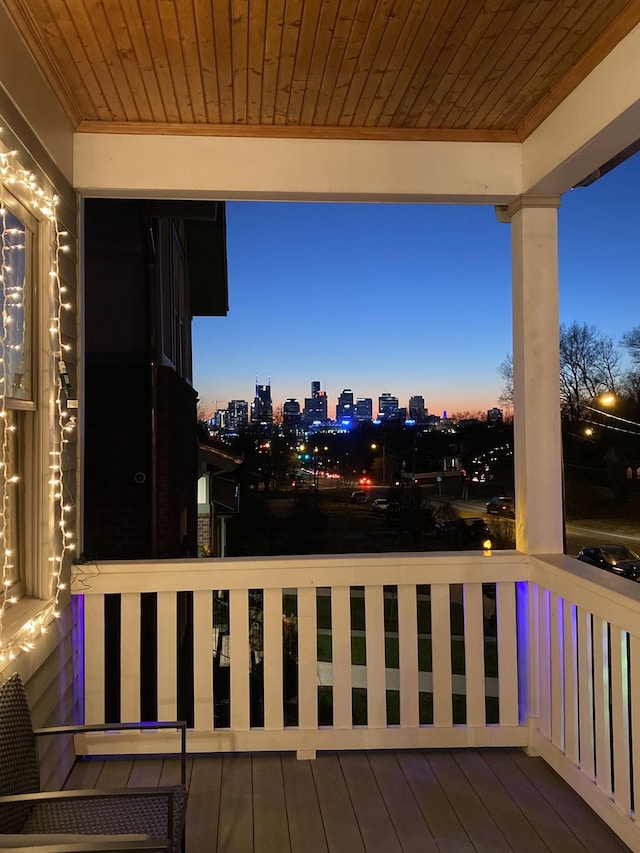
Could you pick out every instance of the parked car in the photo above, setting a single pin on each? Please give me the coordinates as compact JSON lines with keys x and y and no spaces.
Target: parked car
{"x":380,"y":505}
{"x":359,"y":497}
{"x":501,"y":506}
{"x":613,"y":558}
{"x":464,"y":533}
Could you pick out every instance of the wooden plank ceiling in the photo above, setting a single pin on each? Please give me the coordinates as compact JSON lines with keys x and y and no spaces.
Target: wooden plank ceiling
{"x":389,"y":69}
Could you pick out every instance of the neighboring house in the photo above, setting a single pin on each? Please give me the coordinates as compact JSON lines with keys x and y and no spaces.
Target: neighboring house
{"x":505,"y":108}
{"x":218,"y":499}
{"x":149,"y":268}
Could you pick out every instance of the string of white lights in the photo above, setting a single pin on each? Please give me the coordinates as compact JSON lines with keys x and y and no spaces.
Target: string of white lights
{"x":15,"y":181}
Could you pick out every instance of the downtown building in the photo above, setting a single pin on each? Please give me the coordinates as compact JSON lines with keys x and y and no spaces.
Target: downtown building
{"x":345,"y":409}
{"x":237,"y":415}
{"x":262,"y":406}
{"x":291,"y":416}
{"x":417,"y":410}
{"x":495,"y":417}
{"x":315,"y":406}
{"x":364,"y":409}
{"x":388,"y":407}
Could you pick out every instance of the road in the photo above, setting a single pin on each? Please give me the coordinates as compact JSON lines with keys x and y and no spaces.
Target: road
{"x":576,"y":535}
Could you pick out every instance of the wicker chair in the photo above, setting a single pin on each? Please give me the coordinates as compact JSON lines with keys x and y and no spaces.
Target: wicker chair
{"x":149,"y":814}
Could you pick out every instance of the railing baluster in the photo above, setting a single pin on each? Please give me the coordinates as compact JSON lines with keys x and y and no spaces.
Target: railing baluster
{"x":239,"y":658}
{"x":203,"y":660}
{"x":634,"y":681}
{"x":544,"y":651}
{"x":167,"y":655}
{"x":408,"y":656}
{"x":474,"y":654}
{"x":130,"y":657}
{"x":601,"y":699}
{"x":341,"y":656}
{"x":94,"y":639}
{"x":570,"y":685}
{"x":441,"y":654}
{"x":557,"y":671}
{"x":507,"y":654}
{"x":585,"y":694}
{"x":531,"y":692}
{"x":273,"y":650}
{"x":307,"y":659}
{"x":376,"y":681}
{"x":620,"y":719}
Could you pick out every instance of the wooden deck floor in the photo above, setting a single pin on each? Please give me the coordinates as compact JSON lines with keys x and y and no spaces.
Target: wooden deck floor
{"x":446,"y":801}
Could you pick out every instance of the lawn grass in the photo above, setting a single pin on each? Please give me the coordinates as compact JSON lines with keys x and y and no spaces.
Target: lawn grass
{"x":325,"y":646}
{"x":392,"y":648}
{"x":425,"y":658}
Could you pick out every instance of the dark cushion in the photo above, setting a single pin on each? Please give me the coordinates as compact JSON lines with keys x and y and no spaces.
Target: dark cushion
{"x":19,"y":772}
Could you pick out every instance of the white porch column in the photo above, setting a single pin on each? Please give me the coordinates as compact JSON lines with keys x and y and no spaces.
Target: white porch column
{"x":536,"y":371}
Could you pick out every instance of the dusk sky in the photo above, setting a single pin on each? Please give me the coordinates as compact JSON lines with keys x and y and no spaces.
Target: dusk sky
{"x":408,"y":299}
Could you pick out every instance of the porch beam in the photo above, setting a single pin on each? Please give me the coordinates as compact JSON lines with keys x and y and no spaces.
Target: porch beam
{"x":536,"y":375}
{"x":229,"y":168}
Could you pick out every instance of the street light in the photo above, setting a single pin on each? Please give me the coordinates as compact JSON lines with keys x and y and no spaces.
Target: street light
{"x":621,"y":458}
{"x":620,"y":422}
{"x":384,"y":457}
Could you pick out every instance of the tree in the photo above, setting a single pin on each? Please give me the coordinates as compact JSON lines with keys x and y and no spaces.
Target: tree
{"x":205,"y":410}
{"x":630,"y":385}
{"x":505,"y":369}
{"x":468,"y":415}
{"x":631,"y":342}
{"x":589,"y":366}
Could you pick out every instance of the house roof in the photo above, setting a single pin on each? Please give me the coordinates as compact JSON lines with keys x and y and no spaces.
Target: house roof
{"x":374,"y":69}
{"x":216,"y":461}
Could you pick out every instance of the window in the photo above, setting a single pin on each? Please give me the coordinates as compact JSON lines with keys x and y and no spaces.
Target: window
{"x":38,"y":409}
{"x":17,"y":240}
{"x":16,"y":313}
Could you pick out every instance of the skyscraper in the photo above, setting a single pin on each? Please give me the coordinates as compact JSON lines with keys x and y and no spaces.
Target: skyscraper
{"x":262,"y":407}
{"x":345,"y":409}
{"x":291,"y":417}
{"x":237,"y":415}
{"x":364,"y":409}
{"x":387,"y":407}
{"x":417,"y":411}
{"x":315,"y":406}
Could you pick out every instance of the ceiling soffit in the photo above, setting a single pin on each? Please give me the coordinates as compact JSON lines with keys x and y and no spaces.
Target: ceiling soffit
{"x":376,"y":69}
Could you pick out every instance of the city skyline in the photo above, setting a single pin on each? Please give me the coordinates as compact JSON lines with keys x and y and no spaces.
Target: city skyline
{"x":278,"y":407}
{"x":409,"y":299}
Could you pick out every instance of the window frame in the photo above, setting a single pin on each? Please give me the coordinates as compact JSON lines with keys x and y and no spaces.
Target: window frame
{"x":33,"y":577}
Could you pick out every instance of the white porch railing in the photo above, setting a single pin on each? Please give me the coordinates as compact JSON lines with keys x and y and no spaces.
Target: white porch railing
{"x":567,"y":682}
{"x":584,"y":684}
